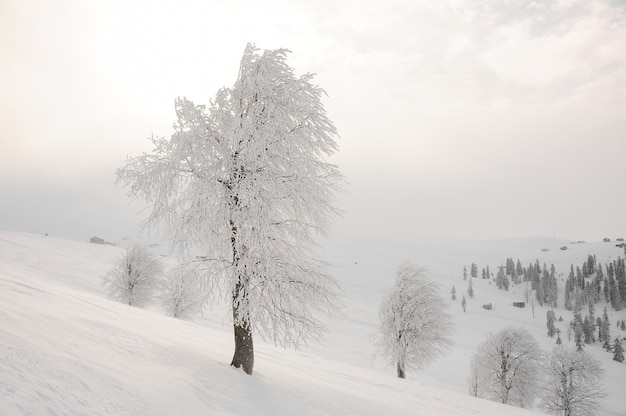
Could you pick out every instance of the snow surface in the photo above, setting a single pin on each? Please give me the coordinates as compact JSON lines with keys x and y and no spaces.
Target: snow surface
{"x":67,"y":350}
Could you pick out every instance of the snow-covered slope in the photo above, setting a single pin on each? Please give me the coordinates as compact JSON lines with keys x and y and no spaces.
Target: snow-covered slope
{"x":66,"y":350}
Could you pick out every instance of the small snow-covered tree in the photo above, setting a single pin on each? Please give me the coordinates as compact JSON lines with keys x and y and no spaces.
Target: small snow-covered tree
{"x":136,"y":277}
{"x":470,"y":289}
{"x":464,"y":304}
{"x":506,"y":367}
{"x":618,"y":351}
{"x":577,"y":327}
{"x":605,"y":331}
{"x":573,"y":386}
{"x":550,"y":323}
{"x":184,"y":294}
{"x":414,"y":327}
{"x":478,"y":381}
{"x":474,"y":270}
{"x":453,"y":293}
{"x":248,"y":182}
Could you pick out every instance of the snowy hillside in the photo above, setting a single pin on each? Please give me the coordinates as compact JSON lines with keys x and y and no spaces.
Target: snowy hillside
{"x":66,"y":350}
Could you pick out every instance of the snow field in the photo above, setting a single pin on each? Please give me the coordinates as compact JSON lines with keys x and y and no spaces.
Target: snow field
{"x":66,"y":350}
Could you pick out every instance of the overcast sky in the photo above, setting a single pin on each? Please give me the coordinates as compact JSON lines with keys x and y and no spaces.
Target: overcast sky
{"x":465,"y":119}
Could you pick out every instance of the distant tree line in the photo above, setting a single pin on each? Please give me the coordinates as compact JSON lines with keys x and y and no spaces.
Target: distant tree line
{"x":540,"y":279}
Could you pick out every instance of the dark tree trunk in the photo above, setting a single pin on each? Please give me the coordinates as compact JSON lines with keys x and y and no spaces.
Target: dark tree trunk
{"x":400,"y":368}
{"x":244,"y":348}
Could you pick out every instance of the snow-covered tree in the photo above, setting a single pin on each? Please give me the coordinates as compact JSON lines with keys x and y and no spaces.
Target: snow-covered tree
{"x":573,"y":386}
{"x":453,"y":293}
{"x":184,"y":294}
{"x":550,"y":318}
{"x":136,"y":277}
{"x":604,"y":332}
{"x":414,"y":327}
{"x":478,"y":379}
{"x":248,"y":182}
{"x":506,"y":367}
{"x":577,"y":326}
{"x":618,"y":351}
{"x":474,"y":270}
{"x":588,"y":330}
{"x":470,"y":289}
{"x":464,"y":304}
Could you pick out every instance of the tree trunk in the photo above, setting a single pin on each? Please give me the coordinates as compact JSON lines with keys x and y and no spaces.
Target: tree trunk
{"x":400,"y":368}
{"x":244,"y":348}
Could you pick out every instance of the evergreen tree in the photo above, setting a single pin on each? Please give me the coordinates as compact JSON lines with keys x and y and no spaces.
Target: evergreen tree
{"x":592,"y":320}
{"x":591,"y":264}
{"x":463,"y":304}
{"x":569,"y":288}
{"x":534,"y":276}
{"x":613,"y":293}
{"x":588,"y":328}
{"x":470,"y":289}
{"x":509,"y":266}
{"x":623,"y":325}
{"x":618,"y":351}
{"x":499,"y":277}
{"x":506,"y":283}
{"x":518,"y":268}
{"x":606,"y":331}
{"x":577,"y":327}
{"x":558,"y":338}
{"x":620,"y":279}
{"x":599,"y":279}
{"x":515,"y":276}
{"x":474,"y":270}
{"x":464,"y":272}
{"x":616,"y":297}
{"x":552,"y":290}
{"x":539,"y":294}
{"x":599,"y":326}
{"x":550,"y":323}
{"x":488,"y":273}
{"x":453,"y":292}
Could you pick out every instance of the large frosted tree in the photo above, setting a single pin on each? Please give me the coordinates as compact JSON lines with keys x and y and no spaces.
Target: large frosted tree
{"x":506,"y":367}
{"x":574,"y":385}
{"x":247,"y":180}
{"x":414,"y":327}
